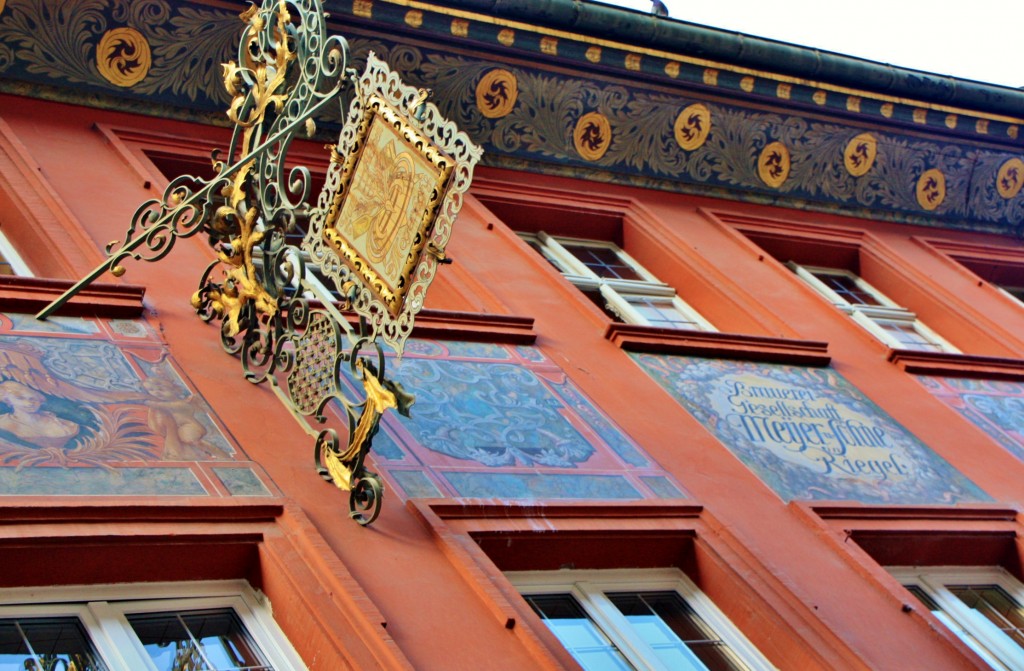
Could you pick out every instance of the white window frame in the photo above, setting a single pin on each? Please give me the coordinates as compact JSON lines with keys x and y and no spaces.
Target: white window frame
{"x":870,"y":317}
{"x":10,"y":254}
{"x":1005,"y":289}
{"x":589,"y":588}
{"x":103,"y":611}
{"x":974,"y":629}
{"x":616,"y":292}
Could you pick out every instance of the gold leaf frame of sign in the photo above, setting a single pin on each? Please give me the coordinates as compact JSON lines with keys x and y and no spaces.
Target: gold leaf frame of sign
{"x":354,"y":169}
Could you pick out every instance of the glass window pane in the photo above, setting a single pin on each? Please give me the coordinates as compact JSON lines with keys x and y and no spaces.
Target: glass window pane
{"x":46,"y":644}
{"x":661,"y":313}
{"x":909,"y":337}
{"x":539,"y":248}
{"x":847,"y":288}
{"x":1016,"y":292}
{"x":923,"y":597}
{"x":598,"y":299}
{"x":211,"y":640}
{"x":677,"y":634}
{"x":580,"y":636}
{"x":603,"y":261}
{"x":997,"y":605}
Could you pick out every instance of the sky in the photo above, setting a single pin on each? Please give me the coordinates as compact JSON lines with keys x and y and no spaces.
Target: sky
{"x":969,"y":39}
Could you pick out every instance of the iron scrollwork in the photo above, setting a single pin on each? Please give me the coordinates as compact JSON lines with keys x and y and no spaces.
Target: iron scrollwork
{"x":377,"y":232}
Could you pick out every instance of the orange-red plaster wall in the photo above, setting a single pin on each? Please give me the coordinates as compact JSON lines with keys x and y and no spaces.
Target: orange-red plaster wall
{"x":824,"y":603}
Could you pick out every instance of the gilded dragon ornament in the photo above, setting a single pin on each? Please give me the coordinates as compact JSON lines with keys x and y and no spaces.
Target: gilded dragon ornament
{"x":376,"y":233}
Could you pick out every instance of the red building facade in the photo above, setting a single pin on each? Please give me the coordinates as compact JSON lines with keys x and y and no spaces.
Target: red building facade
{"x":727,"y":366}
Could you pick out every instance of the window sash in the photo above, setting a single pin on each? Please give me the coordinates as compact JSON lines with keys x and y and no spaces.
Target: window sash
{"x":621,"y":294}
{"x":875,"y":318}
{"x":591,"y":589}
{"x":9,"y":257}
{"x":104,"y":610}
{"x":976,"y":631}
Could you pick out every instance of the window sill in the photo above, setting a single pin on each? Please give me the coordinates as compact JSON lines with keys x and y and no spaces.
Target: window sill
{"x":29,"y":295}
{"x":955,"y":364}
{"x":636,"y":338}
{"x":474,"y":326}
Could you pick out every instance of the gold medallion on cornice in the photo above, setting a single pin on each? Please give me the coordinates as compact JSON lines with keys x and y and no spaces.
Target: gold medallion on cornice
{"x":931,"y":189}
{"x":592,"y":136}
{"x":773,"y":164}
{"x":1010,"y":178}
{"x":860,"y":153}
{"x":692,"y":126}
{"x":496,"y":93}
{"x":123,"y":56}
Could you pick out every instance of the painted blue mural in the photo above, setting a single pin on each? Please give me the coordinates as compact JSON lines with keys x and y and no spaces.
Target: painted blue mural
{"x":492,"y":421}
{"x":994,"y":406}
{"x":808,"y":433}
{"x":97,"y":407}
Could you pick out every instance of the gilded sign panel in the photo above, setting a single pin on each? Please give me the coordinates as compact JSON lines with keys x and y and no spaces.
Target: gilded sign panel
{"x":808,"y":433}
{"x":381,"y":216}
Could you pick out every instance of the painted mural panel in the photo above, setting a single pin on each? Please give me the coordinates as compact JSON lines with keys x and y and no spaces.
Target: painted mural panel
{"x":808,"y":433}
{"x":97,"y":407}
{"x":994,"y":406}
{"x":497,"y":421}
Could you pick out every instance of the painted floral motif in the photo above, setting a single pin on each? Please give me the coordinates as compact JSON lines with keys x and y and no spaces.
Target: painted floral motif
{"x":493,"y":414}
{"x":494,"y":420}
{"x":994,"y":406}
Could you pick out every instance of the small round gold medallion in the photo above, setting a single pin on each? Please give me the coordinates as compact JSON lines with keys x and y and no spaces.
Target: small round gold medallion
{"x":860,"y":154}
{"x":931,"y":189}
{"x":496,"y":93}
{"x":773,"y":164}
{"x":123,"y":56}
{"x":1010,"y":178}
{"x":692,"y":126}
{"x":592,"y":136}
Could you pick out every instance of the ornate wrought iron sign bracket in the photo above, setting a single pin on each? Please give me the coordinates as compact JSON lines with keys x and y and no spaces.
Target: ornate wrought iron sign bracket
{"x":376,"y":235}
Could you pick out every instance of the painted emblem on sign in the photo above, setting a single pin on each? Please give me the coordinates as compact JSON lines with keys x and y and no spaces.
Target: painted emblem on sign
{"x":123,"y":56}
{"x":860,"y":154}
{"x":931,"y":189}
{"x":773,"y":164}
{"x":380,"y":220}
{"x":1010,"y":178}
{"x":593,"y":135}
{"x":692,"y":126}
{"x":496,"y":93}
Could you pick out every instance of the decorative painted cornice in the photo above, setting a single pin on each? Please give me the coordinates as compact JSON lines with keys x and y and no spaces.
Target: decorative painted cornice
{"x":649,"y":33}
{"x":585,"y":90}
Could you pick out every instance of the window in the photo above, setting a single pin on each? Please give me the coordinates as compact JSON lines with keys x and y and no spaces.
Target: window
{"x":636,"y":619}
{"x":1016,"y":292}
{"x":616,"y":283}
{"x":217,"y":627}
{"x":10,"y":261}
{"x":981,"y":605}
{"x":894,"y":325}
